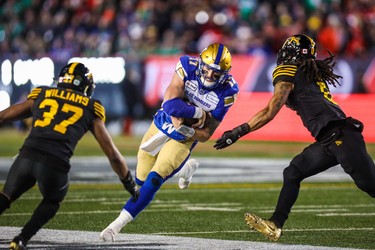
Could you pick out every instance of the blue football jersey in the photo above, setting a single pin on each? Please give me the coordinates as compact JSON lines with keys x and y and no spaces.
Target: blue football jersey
{"x":216,"y":101}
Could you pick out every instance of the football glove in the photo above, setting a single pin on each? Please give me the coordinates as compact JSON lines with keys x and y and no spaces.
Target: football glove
{"x":130,"y":186}
{"x":231,"y":136}
{"x":356,"y":124}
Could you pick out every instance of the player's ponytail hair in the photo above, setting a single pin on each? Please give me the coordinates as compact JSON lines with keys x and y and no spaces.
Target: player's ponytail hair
{"x":321,"y":70}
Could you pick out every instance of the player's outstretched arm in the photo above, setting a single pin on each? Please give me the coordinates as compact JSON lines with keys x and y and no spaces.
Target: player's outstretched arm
{"x":231,"y":136}
{"x":115,"y":158}
{"x":264,"y":116}
{"x":17,"y":111}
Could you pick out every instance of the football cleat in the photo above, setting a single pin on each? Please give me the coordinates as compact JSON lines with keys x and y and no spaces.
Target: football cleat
{"x":110,"y":232}
{"x":186,"y":173}
{"x":108,"y":235}
{"x":265,"y":227}
{"x":17,"y":244}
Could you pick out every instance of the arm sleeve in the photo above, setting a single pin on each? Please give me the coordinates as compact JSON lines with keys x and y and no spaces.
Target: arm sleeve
{"x":178,"y":108}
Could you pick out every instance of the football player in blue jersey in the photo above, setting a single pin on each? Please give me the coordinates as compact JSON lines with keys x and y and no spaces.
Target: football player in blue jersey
{"x":198,"y":97}
{"x":61,"y":116}
{"x":302,"y":84}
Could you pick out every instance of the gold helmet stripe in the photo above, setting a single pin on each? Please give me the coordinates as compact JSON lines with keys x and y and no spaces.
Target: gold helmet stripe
{"x":71,"y":68}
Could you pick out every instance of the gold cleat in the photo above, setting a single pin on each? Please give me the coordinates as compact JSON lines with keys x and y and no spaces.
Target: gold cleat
{"x":265,"y":227}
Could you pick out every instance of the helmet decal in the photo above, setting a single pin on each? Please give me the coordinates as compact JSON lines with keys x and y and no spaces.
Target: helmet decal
{"x":295,"y":48}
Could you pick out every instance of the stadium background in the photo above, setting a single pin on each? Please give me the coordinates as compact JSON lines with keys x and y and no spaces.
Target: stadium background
{"x":132,"y":48}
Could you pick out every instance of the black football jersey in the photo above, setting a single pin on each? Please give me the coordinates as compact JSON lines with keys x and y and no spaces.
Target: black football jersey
{"x":60,"y":118}
{"x":312,"y":101}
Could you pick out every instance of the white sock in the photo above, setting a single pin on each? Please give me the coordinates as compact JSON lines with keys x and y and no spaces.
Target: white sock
{"x":120,"y":222}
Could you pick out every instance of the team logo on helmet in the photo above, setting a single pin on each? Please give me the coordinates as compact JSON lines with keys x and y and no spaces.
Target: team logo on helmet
{"x":296,"y":48}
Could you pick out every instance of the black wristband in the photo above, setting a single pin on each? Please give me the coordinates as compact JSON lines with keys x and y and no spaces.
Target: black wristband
{"x":243,"y":129}
{"x":128,"y":179}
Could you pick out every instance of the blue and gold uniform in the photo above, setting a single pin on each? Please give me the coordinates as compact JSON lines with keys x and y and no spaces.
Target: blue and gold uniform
{"x":199,"y":86}
{"x":217,"y":101}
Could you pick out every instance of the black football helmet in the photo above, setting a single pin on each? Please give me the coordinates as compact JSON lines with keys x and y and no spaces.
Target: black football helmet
{"x":76,"y":76}
{"x":295,"y":48}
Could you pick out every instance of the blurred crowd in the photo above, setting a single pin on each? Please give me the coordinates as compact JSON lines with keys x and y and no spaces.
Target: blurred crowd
{"x":136,"y":28}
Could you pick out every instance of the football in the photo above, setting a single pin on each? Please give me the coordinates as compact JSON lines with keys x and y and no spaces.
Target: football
{"x":190,"y":121}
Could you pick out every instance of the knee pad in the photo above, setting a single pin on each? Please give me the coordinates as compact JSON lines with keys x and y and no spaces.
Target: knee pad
{"x":146,"y":194}
{"x":155,"y":177}
{"x":292,"y":174}
{"x":151,"y":184}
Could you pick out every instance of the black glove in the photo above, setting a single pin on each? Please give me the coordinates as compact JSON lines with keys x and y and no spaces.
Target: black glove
{"x":231,"y":136}
{"x":356,"y":124}
{"x":131,"y":186}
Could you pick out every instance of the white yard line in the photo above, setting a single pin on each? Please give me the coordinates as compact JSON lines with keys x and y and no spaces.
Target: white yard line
{"x":69,"y":240}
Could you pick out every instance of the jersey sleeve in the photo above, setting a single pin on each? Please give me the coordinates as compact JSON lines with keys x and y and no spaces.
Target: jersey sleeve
{"x":232,"y":94}
{"x":285,"y":72}
{"x":180,"y":70}
{"x":185,"y":66}
{"x":34,"y":94}
{"x":99,"y":110}
{"x":229,"y":98}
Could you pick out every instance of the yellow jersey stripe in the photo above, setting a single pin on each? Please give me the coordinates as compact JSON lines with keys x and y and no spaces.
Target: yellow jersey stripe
{"x":34,"y":93}
{"x":284,"y":74}
{"x":286,"y":66}
{"x":229,"y":100}
{"x":286,"y":70}
{"x":99,"y":111}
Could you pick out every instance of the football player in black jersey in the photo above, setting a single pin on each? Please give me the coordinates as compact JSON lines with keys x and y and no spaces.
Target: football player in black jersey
{"x":301,"y":82}
{"x":60,"y":117}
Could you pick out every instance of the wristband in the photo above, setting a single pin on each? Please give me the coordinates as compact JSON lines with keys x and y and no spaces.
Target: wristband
{"x":243,"y":129}
{"x":198,"y":113}
{"x":186,"y":131}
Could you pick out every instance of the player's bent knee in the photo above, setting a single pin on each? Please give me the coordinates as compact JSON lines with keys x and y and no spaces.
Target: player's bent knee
{"x":51,"y":206}
{"x":370,"y":192}
{"x":146,"y":194}
{"x":151,"y":184}
{"x":292,"y":174}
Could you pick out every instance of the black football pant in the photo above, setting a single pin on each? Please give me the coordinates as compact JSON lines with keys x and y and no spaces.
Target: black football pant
{"x":347,"y":149}
{"x":53,"y":185}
